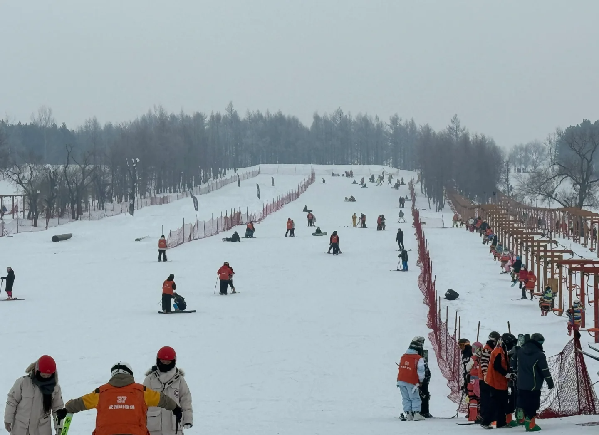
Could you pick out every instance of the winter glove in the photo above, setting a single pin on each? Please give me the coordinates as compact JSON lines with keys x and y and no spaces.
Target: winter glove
{"x":511,"y":376}
{"x":7,"y":426}
{"x":187,"y":426}
{"x":61,"y":414}
{"x":550,"y":383}
{"x":178,"y":413}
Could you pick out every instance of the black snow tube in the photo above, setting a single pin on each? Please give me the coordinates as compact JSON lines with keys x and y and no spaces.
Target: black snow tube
{"x":61,"y":237}
{"x":451,"y":295}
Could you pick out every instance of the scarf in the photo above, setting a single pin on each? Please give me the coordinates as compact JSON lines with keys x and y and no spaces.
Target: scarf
{"x":46,"y":386}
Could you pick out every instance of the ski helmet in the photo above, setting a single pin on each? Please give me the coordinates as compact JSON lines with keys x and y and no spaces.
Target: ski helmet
{"x":418,"y":339}
{"x":46,"y":364}
{"x":121,"y":368}
{"x":494,"y":336}
{"x":509,"y":340}
{"x":538,"y":338}
{"x":477,"y":345}
{"x":167,"y":353}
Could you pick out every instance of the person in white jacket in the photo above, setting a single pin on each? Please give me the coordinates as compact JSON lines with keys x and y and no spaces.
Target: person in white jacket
{"x":33,"y":399}
{"x":168,"y":379}
{"x":409,"y":377}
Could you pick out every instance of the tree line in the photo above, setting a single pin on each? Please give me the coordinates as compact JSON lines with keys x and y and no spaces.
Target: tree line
{"x":61,"y":168}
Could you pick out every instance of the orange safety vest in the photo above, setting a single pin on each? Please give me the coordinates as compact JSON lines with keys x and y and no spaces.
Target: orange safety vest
{"x":167,"y":287}
{"x":494,"y":378}
{"x":224,"y":273}
{"x":162,"y":244}
{"x":289,"y":224}
{"x":121,"y":410}
{"x":408,"y":368}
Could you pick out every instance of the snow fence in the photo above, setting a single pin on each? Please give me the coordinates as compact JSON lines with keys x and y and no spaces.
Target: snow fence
{"x":202,"y":229}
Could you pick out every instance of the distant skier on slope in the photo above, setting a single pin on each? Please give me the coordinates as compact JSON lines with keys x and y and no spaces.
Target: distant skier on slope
{"x":404,"y":260}
{"x":162,"y":248}
{"x":250,"y":229}
{"x":225,"y":275}
{"x":310,"y":218}
{"x":334,"y":243}
{"x":168,"y":289}
{"x":353,"y":220}
{"x":10,"y":279}
{"x":234,"y":238}
{"x":290,"y":228}
{"x":399,"y":239}
{"x":363,"y":220}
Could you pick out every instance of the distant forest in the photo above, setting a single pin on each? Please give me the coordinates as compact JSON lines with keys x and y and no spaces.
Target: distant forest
{"x":175,"y":152}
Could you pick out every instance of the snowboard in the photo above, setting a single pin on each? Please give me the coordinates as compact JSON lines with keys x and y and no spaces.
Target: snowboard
{"x":66,"y":424}
{"x":590,"y":423}
{"x":13,"y":299}
{"x":178,"y":312}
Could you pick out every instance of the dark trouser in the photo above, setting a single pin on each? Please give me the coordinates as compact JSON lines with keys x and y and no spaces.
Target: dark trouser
{"x":363,"y":224}
{"x":499,"y":407}
{"x":310,"y":223}
{"x":335,"y":247}
{"x":400,"y":245}
{"x":292,"y":232}
{"x":224,"y":285}
{"x":166,"y":302}
{"x":425,"y":397}
{"x":485,"y":402}
{"x":523,"y":291}
{"x":162,"y":253}
{"x":530,"y":402}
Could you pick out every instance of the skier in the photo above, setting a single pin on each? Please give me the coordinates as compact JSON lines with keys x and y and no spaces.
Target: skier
{"x":234,"y":238}
{"x":380,"y":223}
{"x":170,"y":380}
{"x":574,"y":316}
{"x":486,"y":407}
{"x":250,"y":230}
{"x":334,"y":243}
{"x":531,"y":282}
{"x":10,"y":279}
{"x":546,"y":301}
{"x":402,"y":202}
{"x":456,"y":219}
{"x":310,"y":219}
{"x":401,"y":218}
{"x":425,"y":396}
{"x":498,"y":374}
{"x":168,"y":289}
{"x":399,"y":239}
{"x":363,"y":220}
{"x":162,"y":248}
{"x":225,"y":275}
{"x":353,"y":220}
{"x":122,"y":404}
{"x":289,"y":227}
{"x":33,"y":398}
{"x":522,"y":278}
{"x":411,"y":374}
{"x":404,"y":260}
{"x":516,"y":267}
{"x":532,"y":372}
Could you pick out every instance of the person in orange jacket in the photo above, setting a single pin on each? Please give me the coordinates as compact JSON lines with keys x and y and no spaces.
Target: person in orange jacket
{"x":121,"y":404}
{"x":334,"y":243}
{"x":168,"y":290}
{"x":162,"y":248}
{"x":225,"y":275}
{"x":531,"y":282}
{"x":497,"y":378}
{"x":290,"y":228}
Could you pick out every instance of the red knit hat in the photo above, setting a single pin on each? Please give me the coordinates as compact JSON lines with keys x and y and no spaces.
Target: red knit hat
{"x":46,"y":364}
{"x":167,"y":353}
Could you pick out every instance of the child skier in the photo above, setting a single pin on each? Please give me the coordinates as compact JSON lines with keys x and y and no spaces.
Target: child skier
{"x":409,"y":376}
{"x":574,"y":316}
{"x":225,"y":275}
{"x":334,"y":243}
{"x":10,"y":279}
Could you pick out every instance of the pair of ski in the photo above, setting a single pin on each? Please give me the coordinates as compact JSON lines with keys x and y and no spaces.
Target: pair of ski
{"x":12,"y":299}
{"x":177,"y":312}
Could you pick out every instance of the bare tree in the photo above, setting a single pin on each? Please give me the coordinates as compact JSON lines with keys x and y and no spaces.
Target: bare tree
{"x":28,"y":176}
{"x":44,"y":119}
{"x":78,"y":175}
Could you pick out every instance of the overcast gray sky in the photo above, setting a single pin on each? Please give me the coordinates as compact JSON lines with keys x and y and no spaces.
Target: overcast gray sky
{"x":512,"y":69}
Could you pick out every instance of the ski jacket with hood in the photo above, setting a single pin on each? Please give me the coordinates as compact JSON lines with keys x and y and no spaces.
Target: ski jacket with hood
{"x":173,"y":384}
{"x":532,"y":367}
{"x":25,"y":409}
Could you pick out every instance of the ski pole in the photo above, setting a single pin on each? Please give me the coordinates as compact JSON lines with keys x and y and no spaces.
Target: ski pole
{"x":478,"y":331}
{"x":215,"y":284}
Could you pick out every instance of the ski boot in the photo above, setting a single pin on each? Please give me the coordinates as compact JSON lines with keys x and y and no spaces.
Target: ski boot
{"x":527,"y":424}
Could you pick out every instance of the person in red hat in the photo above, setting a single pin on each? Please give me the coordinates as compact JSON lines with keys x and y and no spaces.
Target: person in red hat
{"x":165,"y":376}
{"x":33,"y":398}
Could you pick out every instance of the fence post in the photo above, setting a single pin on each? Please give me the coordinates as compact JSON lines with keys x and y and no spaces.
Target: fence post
{"x":183,"y":231}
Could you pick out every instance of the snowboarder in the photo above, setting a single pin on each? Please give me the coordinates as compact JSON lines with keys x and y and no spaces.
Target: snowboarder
{"x":334,"y":243}
{"x":122,"y":404}
{"x":574,"y":316}
{"x":168,"y":289}
{"x":498,"y":375}
{"x":250,"y":229}
{"x":318,"y":232}
{"x":234,"y":238}
{"x":33,"y":398}
{"x":162,"y":248}
{"x":399,"y":239}
{"x":353,"y":220}
{"x":363,"y":220}
{"x":532,"y":372}
{"x":225,"y":275}
{"x":486,"y":407}
{"x":404,"y":260}
{"x":411,"y":374}
{"x":401,"y":218}
{"x":170,"y":380}
{"x":10,"y":279}
{"x":310,"y":219}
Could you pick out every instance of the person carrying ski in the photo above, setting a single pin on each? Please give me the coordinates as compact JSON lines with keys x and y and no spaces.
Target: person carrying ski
{"x":574,"y":316}
{"x":225,"y":275}
{"x":168,"y":289}
{"x":486,"y":407}
{"x":310,"y":219}
{"x":532,"y":372}
{"x":353,"y":220}
{"x":409,"y":376}
{"x":234,"y":238}
{"x":162,"y":248}
{"x":10,"y":279}
{"x":531,"y":282}
{"x":404,"y":260}
{"x":122,"y":404}
{"x":399,"y":239}
{"x":33,"y":398}
{"x":363,"y":220}
{"x":546,"y":301}
{"x":497,"y":377}
{"x":334,"y":243}
{"x":166,"y":377}
{"x":250,"y":229}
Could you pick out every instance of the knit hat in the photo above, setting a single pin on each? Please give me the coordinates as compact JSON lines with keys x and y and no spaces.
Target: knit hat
{"x":418,"y":339}
{"x":477,"y":345}
{"x":494,"y":336}
{"x":538,"y":338}
{"x":416,"y":345}
{"x":46,"y":364}
{"x":463,"y":342}
{"x":121,"y":368}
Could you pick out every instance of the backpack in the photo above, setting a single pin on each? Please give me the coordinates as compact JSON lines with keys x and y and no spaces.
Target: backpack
{"x":180,"y":303}
{"x":451,"y":295}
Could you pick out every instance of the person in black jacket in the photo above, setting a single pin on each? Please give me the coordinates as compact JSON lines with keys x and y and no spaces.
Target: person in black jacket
{"x":532,"y":372}
{"x":423,"y":388}
{"x":399,"y":238}
{"x":10,"y":279}
{"x":404,"y":260}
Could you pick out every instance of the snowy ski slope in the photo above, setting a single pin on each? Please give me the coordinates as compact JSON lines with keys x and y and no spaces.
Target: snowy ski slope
{"x":308,"y":346}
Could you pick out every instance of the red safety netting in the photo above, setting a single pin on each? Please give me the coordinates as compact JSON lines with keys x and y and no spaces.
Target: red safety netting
{"x":202,"y":229}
